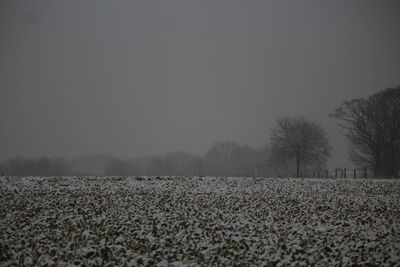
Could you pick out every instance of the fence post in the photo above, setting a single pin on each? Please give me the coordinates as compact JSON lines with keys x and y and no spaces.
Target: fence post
{"x":336,"y":173}
{"x":345,"y":174}
{"x":365,"y":172}
{"x":355,"y":173}
{"x":326,"y":175}
{"x":318,"y":173}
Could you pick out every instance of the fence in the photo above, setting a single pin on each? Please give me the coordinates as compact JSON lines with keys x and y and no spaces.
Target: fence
{"x":342,"y":173}
{"x":317,"y":173}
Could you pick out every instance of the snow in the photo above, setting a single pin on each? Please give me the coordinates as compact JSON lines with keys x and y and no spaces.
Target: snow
{"x":187,"y":221}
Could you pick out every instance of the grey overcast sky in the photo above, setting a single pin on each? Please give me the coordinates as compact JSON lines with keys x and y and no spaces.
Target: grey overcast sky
{"x":136,"y":78}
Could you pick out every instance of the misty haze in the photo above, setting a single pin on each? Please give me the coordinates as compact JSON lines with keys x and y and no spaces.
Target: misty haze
{"x":199,"y":133}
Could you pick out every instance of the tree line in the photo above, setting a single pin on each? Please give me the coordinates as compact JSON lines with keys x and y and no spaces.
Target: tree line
{"x":222,"y":159}
{"x":297,"y":147}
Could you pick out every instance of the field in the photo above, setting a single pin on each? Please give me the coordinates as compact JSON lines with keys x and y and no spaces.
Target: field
{"x":198,"y":221}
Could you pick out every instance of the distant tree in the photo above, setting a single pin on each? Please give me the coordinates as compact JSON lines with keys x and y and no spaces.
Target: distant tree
{"x":135,"y":168}
{"x":16,"y":166}
{"x":155,"y":166}
{"x":89,"y":164}
{"x":229,"y":158}
{"x":49,"y":166}
{"x":300,"y":142}
{"x":117,"y":167}
{"x":44,"y":166}
{"x":259,"y":160}
{"x":181,"y":163}
{"x":372,"y":126}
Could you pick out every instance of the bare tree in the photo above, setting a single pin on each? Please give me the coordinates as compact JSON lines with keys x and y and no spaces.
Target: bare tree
{"x":373,"y":128}
{"x":300,"y":142}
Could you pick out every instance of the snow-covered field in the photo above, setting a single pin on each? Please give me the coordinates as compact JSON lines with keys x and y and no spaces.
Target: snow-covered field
{"x":198,"y":221}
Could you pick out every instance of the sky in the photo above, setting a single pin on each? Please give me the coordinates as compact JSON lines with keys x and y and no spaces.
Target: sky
{"x":134,"y":78}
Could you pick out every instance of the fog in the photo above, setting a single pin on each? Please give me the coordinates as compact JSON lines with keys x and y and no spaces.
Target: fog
{"x":137,"y":78}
